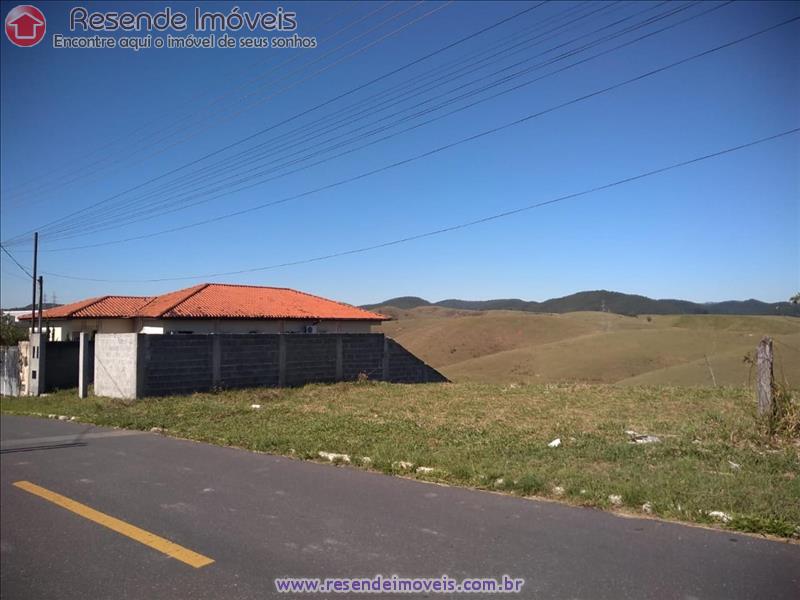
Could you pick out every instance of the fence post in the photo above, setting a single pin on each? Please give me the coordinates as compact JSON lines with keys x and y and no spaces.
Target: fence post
{"x":281,"y":359}
{"x":216,"y":360}
{"x":385,"y":358}
{"x":83,"y":365}
{"x":764,"y":376}
{"x":339,"y":357}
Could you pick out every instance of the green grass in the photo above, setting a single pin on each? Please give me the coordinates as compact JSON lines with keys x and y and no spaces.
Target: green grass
{"x":495,"y":437}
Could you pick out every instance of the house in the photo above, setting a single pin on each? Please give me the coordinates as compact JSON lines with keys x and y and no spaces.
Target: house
{"x":16,"y":314}
{"x":209,"y":308}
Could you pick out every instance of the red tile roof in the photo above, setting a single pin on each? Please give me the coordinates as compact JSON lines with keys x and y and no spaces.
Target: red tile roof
{"x":216,"y":301}
{"x":101,"y":307}
{"x":160,"y":305}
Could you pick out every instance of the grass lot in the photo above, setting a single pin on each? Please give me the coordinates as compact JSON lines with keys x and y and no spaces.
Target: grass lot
{"x":495,"y":437}
{"x":501,"y":346}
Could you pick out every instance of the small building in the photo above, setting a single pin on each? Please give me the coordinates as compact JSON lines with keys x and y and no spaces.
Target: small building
{"x":208,"y":308}
{"x":15,"y":314}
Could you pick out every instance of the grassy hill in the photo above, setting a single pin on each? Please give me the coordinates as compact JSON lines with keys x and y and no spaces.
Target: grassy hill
{"x":520,"y":347}
{"x":602,"y":300}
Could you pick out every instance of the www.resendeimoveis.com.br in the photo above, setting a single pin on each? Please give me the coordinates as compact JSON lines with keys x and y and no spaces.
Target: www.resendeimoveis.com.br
{"x":395,"y":584}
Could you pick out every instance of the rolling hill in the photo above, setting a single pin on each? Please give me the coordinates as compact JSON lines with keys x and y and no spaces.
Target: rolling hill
{"x":508,"y":346}
{"x":604,"y":301}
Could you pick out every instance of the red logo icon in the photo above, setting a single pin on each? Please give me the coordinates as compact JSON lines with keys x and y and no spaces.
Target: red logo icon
{"x":25,"y":25}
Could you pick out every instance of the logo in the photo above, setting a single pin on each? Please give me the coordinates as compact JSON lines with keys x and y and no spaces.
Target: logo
{"x":25,"y":25}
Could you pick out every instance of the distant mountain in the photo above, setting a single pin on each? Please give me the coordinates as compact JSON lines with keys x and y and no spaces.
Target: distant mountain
{"x":500,"y":304}
{"x":45,"y":305}
{"x":404,"y":302}
{"x":603,"y":300}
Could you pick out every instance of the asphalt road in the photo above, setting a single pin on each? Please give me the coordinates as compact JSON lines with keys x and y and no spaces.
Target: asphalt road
{"x":260,"y":516}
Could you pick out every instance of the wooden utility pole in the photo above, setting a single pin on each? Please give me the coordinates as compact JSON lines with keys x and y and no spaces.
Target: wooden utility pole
{"x":764,"y":376}
{"x":33,"y":300}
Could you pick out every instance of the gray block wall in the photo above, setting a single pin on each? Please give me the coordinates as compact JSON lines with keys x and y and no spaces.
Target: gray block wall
{"x":180,"y":364}
{"x":174,"y":364}
{"x":405,"y":367}
{"x":362,"y":354}
{"x":310,"y":359}
{"x":248,"y":360}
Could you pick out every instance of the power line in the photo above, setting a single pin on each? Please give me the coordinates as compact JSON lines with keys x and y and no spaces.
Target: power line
{"x":127,"y":151}
{"x":16,"y":262}
{"x":292,"y":118}
{"x":17,"y":190}
{"x":326,"y":67}
{"x":393,"y":93}
{"x":435,"y":150}
{"x":162,"y":149}
{"x":80,"y":226}
{"x":73,"y":215}
{"x":159,"y":206}
{"x":14,"y":275}
{"x":84,"y":228}
{"x":459,"y":226}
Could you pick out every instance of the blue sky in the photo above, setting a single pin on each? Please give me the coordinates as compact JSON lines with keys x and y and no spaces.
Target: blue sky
{"x":721,"y":229}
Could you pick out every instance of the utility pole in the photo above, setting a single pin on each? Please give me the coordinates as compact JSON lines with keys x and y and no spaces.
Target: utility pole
{"x":41,"y":288}
{"x":35,"y":257}
{"x":38,"y":346}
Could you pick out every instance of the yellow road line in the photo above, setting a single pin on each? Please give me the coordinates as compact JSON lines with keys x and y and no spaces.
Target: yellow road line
{"x":140,"y":535}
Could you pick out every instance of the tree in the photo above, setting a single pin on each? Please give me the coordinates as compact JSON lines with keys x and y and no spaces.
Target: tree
{"x":11,"y":332}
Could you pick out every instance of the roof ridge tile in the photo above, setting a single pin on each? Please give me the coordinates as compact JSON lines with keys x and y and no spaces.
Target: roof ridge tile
{"x":194,"y":291}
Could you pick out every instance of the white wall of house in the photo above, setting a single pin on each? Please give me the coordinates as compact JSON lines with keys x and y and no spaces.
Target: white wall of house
{"x":67,"y":329}
{"x":70,"y":329}
{"x":250,"y":326}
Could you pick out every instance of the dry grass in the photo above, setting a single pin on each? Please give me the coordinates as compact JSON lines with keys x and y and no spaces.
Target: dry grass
{"x":514,"y":347}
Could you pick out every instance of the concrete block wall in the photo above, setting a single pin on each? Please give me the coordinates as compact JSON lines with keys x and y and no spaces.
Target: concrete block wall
{"x":175,"y":364}
{"x":404,"y":367}
{"x":248,"y":360}
{"x":310,"y":359}
{"x":161,"y":365}
{"x":362,"y":354}
{"x":115,"y":365}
